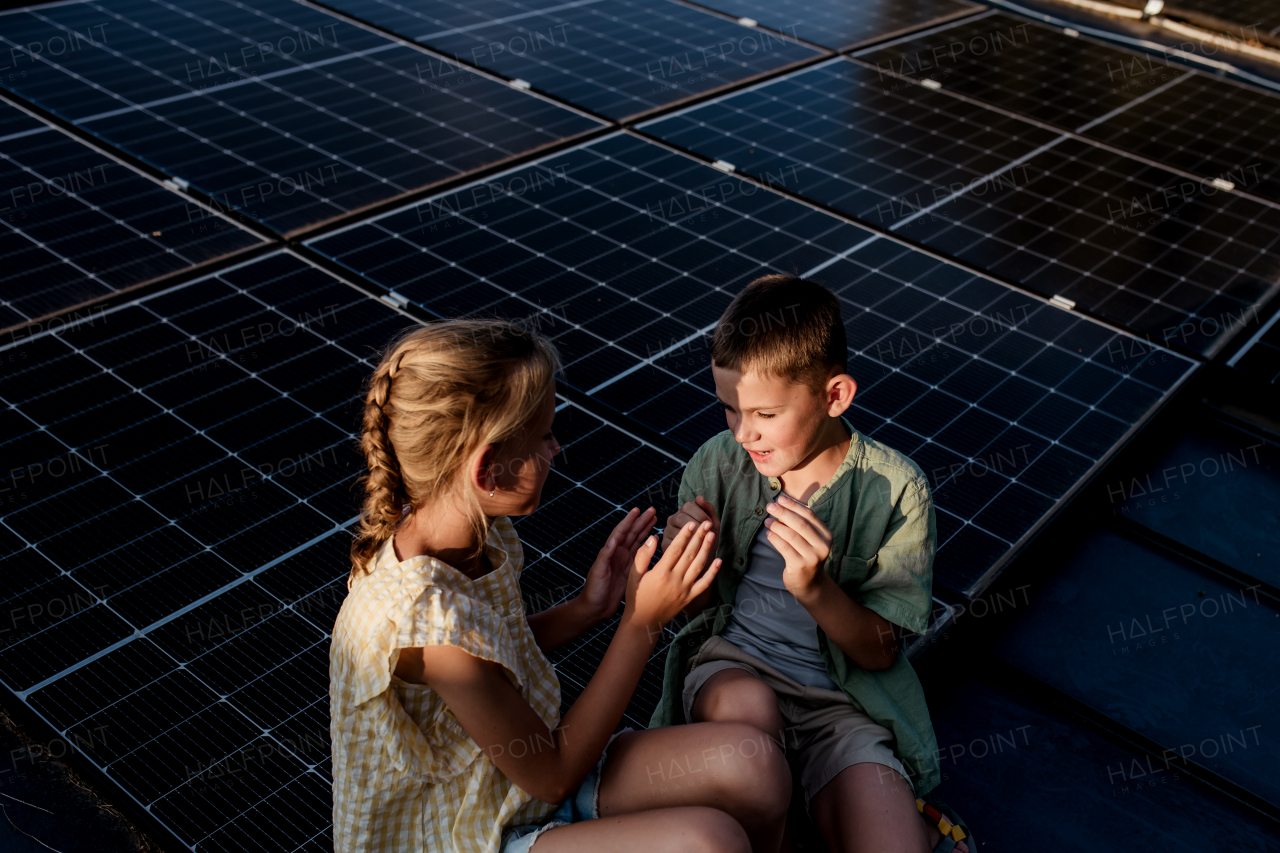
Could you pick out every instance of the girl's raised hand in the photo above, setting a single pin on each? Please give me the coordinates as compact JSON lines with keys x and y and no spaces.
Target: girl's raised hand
{"x":607,"y":577}
{"x":655,"y":596}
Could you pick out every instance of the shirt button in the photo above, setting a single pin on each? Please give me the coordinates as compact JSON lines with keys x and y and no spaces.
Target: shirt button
{"x":738,"y":561}
{"x":759,"y":511}
{"x":773,"y":483}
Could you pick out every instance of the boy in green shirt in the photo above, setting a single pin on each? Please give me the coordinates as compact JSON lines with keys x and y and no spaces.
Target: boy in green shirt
{"x":827,"y":540}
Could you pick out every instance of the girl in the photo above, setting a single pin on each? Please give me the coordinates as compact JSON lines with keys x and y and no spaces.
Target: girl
{"x":445,"y":710}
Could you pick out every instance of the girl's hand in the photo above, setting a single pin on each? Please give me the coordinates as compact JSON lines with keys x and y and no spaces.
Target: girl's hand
{"x":655,"y":596}
{"x":607,"y":577}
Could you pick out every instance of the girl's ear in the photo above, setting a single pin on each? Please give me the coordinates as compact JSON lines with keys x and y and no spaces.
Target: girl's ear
{"x":485,"y":468}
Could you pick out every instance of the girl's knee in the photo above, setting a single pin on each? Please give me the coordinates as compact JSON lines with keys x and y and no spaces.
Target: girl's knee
{"x":753,"y":768}
{"x":708,"y":830}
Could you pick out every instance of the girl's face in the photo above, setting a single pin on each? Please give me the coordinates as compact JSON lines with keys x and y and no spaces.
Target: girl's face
{"x":522,"y":469}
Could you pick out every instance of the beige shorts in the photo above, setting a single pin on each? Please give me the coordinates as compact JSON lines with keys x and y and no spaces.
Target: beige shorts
{"x":824,"y":731}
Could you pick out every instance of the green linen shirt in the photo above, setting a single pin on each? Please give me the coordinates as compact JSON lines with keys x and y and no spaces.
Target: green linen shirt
{"x":880,"y":513}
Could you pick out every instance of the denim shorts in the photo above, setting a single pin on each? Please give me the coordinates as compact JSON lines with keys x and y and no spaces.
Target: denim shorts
{"x":584,"y":804}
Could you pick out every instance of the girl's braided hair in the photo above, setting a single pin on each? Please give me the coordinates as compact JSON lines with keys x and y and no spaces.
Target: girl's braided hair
{"x":441,"y":392}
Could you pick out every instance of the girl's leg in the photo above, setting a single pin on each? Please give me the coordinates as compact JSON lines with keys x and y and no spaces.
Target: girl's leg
{"x":732,"y":767}
{"x":870,"y":807}
{"x":689,"y":829}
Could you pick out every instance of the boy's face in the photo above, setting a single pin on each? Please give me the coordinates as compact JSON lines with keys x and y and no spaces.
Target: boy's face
{"x":780,"y":423}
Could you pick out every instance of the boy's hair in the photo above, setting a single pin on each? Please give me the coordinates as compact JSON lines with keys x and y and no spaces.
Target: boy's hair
{"x":441,"y":392}
{"x":782,"y":325}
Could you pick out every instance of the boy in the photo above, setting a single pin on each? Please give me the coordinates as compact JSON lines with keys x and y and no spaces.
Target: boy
{"x":827,"y":540}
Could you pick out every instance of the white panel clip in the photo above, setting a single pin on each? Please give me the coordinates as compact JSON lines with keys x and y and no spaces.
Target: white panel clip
{"x":1063,"y":302}
{"x":724,"y":166}
{"x":177,"y":184}
{"x":521,"y":84}
{"x":395,"y":300}
{"x":1153,"y":7}
{"x":1067,"y":31}
{"x":748,"y":22}
{"x":1223,"y":184}
{"x":929,"y":83}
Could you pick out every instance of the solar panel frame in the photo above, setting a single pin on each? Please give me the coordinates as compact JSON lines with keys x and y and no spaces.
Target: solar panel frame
{"x":585,"y":64}
{"x":81,"y":201}
{"x":767,"y":14}
{"x":157,"y":127}
{"x":926,"y":140}
{"x":676,"y":376}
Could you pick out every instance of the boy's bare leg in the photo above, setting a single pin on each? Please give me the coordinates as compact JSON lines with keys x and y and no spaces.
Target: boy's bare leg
{"x":870,"y":808}
{"x":728,"y":766}
{"x":737,"y":696}
{"x":691,"y":829}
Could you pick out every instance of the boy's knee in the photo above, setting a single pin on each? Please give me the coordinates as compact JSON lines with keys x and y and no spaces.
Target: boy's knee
{"x":737,"y":696}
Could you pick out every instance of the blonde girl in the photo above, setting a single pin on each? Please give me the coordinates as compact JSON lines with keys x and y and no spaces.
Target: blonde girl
{"x":445,"y":710}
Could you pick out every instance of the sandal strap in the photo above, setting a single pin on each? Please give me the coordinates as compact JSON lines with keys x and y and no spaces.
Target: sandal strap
{"x":951,"y":831}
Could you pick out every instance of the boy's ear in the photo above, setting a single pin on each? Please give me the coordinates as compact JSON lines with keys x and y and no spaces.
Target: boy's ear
{"x":839,"y":394}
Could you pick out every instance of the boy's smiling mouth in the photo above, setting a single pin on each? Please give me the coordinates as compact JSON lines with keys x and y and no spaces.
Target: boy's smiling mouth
{"x":760,"y":455}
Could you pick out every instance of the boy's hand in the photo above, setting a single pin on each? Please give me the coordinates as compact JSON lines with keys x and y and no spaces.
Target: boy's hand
{"x":802,"y":540}
{"x":607,"y":578}
{"x":697,"y":510}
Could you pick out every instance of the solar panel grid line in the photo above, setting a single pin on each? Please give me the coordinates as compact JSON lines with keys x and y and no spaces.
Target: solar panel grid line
{"x":541,"y":130}
{"x":337,"y":158}
{"x":826,"y":74}
{"x":491,"y":228}
{"x":611,"y":75}
{"x":902,"y":38}
{"x":1021,"y":70}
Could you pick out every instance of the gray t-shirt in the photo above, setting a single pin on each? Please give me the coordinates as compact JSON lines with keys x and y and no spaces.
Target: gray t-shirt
{"x":767,"y":621}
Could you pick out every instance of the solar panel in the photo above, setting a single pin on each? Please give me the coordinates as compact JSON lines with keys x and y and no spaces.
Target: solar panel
{"x":617,"y":58}
{"x":307,"y":119}
{"x":628,"y":259}
{"x":1141,"y":103}
{"x":1251,"y":16}
{"x":841,"y":25}
{"x":1056,"y":214}
{"x":79,"y":224}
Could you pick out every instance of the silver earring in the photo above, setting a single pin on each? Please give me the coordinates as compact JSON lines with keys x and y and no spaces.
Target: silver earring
{"x":491,"y":493}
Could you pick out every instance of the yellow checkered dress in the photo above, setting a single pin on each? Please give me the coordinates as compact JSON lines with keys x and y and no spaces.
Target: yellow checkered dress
{"x":406,"y":777}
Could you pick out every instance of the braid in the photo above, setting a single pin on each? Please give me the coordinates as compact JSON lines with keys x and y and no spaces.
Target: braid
{"x":383,"y":485}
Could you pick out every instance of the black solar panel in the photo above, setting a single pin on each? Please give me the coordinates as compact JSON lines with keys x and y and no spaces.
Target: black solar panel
{"x":616,"y":58}
{"x":1250,"y":16}
{"x":1056,"y":214}
{"x":628,"y":258}
{"x":175,"y":548}
{"x":274,"y":108}
{"x":1141,"y":103}
{"x":78,"y":224}
{"x":840,"y":24}
{"x":1260,"y":354}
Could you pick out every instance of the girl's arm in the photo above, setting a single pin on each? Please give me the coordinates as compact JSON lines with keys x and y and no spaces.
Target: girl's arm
{"x":551,"y":763}
{"x":606,"y":582}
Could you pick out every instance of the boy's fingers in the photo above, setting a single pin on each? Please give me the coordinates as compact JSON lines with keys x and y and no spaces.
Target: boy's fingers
{"x":797,"y":542}
{"x":784,"y":547}
{"x":700,"y":586}
{"x":710,"y":510}
{"x":787,"y":511}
